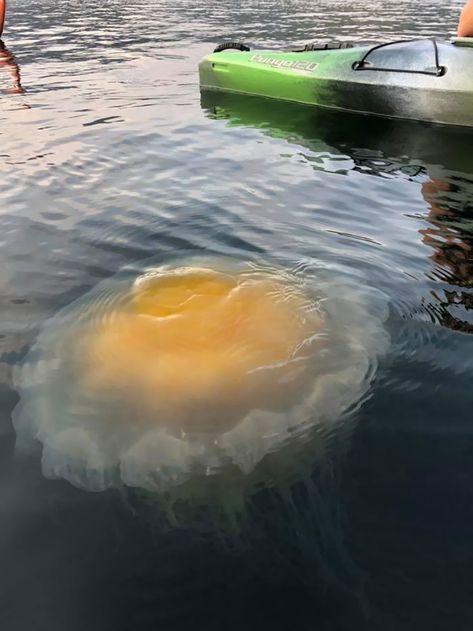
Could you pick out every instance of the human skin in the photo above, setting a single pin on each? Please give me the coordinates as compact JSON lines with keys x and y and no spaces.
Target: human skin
{"x":3,"y":7}
{"x":465,"y":25}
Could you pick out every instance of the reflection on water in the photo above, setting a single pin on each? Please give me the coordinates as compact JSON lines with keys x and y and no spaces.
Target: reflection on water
{"x":429,"y":156}
{"x":451,"y":237}
{"x":9,"y":66}
{"x":116,"y":162}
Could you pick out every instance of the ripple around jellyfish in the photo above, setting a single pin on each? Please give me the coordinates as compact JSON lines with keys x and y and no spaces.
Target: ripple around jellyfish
{"x":90,"y":395}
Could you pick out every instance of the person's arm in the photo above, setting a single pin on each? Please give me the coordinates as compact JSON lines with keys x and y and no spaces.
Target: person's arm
{"x":465,"y":25}
{"x":3,"y":8}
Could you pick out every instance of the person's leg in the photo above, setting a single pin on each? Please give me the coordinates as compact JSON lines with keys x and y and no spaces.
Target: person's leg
{"x":465,"y":25}
{"x":3,"y":7}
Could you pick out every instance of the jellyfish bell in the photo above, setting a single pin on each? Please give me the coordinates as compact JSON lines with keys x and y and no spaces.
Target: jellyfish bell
{"x":198,"y":349}
{"x":193,"y":369}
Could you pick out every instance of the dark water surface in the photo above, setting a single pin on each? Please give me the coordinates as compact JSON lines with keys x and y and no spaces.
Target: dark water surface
{"x":109,"y":157}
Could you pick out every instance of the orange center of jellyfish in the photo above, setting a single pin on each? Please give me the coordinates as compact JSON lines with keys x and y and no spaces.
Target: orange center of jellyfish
{"x":197,"y":350}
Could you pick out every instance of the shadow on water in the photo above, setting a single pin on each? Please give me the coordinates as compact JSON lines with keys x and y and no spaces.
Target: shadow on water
{"x":438,"y":158}
{"x":121,"y":561}
{"x":361,"y":540}
{"x":374,"y":534}
{"x":377,"y":536}
{"x":406,"y":481}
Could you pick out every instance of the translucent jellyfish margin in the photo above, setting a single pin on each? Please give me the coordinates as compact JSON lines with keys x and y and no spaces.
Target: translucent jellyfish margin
{"x":89,"y":456}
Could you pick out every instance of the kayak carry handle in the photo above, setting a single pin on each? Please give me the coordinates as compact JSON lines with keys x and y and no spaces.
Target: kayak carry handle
{"x":364,"y":64}
{"x":232,"y":46}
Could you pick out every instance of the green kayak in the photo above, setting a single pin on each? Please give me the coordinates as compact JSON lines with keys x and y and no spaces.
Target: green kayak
{"x":423,"y":80}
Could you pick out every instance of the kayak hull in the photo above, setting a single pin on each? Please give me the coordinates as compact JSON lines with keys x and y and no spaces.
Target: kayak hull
{"x":420,"y":80}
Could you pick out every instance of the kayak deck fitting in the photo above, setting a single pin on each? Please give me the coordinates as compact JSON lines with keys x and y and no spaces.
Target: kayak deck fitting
{"x":423,"y":80}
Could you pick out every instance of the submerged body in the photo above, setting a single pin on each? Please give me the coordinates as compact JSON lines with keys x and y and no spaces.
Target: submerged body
{"x":201,"y":348}
{"x":199,"y":368}
{"x":420,"y":80}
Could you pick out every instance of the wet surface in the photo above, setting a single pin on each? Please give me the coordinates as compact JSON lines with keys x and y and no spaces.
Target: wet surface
{"x":110,"y":157}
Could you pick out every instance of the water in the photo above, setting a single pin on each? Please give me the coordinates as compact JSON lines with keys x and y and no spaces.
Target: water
{"x":109,"y":158}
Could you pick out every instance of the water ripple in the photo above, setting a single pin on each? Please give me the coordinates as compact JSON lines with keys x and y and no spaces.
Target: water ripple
{"x":109,"y":157}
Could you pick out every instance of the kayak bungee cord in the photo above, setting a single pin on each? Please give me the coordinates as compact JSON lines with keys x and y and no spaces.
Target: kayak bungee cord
{"x":364,"y":64}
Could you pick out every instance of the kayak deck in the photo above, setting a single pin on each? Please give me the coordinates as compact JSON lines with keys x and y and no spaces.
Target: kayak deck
{"x":418,"y":80}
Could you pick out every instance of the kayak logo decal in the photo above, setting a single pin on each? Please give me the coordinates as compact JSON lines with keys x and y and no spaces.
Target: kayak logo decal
{"x":288,"y":64}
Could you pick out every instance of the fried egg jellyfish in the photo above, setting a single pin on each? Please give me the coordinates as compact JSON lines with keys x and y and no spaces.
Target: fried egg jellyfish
{"x":205,"y":375}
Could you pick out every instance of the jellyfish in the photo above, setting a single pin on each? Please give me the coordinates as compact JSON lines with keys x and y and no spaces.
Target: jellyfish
{"x":195,"y":369}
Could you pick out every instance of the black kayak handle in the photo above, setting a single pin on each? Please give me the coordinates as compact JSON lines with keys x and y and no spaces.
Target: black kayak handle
{"x":232,"y":46}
